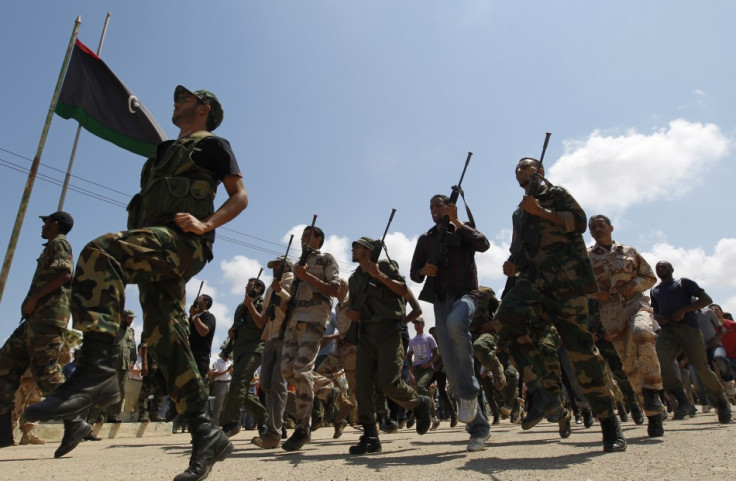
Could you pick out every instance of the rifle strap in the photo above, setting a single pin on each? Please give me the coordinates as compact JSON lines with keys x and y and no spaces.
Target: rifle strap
{"x":471,"y":220}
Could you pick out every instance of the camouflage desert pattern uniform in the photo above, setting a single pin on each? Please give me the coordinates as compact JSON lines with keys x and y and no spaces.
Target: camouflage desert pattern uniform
{"x":303,"y":335}
{"x":552,"y":286}
{"x":628,"y":322}
{"x":37,"y":342}
{"x":158,"y":257}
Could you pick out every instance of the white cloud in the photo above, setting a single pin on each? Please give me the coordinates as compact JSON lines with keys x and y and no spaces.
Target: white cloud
{"x":612,"y":173}
{"x":237,"y":270}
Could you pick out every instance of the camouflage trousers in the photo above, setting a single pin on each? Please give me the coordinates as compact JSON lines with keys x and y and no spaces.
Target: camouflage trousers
{"x":634,"y":341}
{"x":160,"y":260}
{"x":301,"y":345}
{"x":27,"y":394}
{"x":343,"y":358}
{"x":614,"y":363}
{"x":33,"y":345}
{"x":526,"y":303}
{"x":484,"y":349}
{"x":152,"y":383}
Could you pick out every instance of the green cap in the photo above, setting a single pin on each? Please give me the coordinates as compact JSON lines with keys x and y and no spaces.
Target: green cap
{"x":206,"y":97}
{"x":366,"y":242}
{"x":128,"y":313}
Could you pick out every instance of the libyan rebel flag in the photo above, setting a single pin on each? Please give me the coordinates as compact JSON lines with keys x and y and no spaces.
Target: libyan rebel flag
{"x":94,"y":96}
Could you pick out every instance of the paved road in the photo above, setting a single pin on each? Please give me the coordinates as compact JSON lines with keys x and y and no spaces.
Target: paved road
{"x":693,"y":449}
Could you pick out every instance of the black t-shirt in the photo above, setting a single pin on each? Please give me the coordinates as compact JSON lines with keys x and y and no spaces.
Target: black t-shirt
{"x":201,"y":346}
{"x":212,"y":153}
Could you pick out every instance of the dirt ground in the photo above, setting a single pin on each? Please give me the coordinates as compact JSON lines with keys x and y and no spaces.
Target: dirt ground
{"x":693,"y":449}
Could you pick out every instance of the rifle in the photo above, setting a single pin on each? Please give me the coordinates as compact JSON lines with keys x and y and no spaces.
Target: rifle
{"x":279,"y":274}
{"x":427,"y":294}
{"x":231,"y":340}
{"x":297,"y":282}
{"x":351,"y":337}
{"x":527,"y":239}
{"x":196,"y":299}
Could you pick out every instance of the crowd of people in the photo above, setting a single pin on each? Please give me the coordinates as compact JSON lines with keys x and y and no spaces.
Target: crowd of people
{"x":579,"y":333}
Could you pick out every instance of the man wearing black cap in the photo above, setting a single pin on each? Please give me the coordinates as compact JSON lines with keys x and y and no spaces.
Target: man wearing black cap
{"x":171,"y":224}
{"x":45,"y":310}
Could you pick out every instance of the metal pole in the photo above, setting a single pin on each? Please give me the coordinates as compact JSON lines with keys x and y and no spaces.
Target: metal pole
{"x":34,"y":166}
{"x":79,"y":130}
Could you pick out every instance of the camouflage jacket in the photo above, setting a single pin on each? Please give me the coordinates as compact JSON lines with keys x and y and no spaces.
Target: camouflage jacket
{"x":125,"y":352}
{"x":618,"y":266}
{"x":53,"y":308}
{"x":486,"y":306}
{"x":561,"y":261}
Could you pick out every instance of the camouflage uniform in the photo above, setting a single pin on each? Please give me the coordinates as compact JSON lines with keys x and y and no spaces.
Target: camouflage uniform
{"x":157,"y":256}
{"x":552,"y":286}
{"x":27,"y":394}
{"x":628,"y":322}
{"x":489,"y":352}
{"x":303,"y":335}
{"x":343,"y":358}
{"x":123,"y":356}
{"x":37,"y":342}
{"x":247,"y":355}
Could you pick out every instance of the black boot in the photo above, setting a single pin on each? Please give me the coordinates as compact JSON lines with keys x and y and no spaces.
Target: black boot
{"x":652,"y":403}
{"x":565,"y":428}
{"x":613,"y":438}
{"x":622,"y":414}
{"x":369,"y":442}
{"x":6,"y":430}
{"x":544,"y":403}
{"x":655,"y":428}
{"x":209,"y":445}
{"x":684,"y":407}
{"x":298,"y":438}
{"x":587,"y":417}
{"x":724,"y":410}
{"x":75,"y":430}
{"x":94,"y":382}
{"x":423,"y":414}
{"x":637,"y":415}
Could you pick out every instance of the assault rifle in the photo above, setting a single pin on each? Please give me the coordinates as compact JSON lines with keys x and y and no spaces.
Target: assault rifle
{"x":351,"y":337}
{"x":279,"y":274}
{"x":253,"y":293}
{"x":196,"y":299}
{"x":527,"y":237}
{"x":306,"y":250}
{"x":440,"y":248}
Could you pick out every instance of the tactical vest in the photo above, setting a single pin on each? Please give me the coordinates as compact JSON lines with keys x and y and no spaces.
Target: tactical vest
{"x":172,"y":184}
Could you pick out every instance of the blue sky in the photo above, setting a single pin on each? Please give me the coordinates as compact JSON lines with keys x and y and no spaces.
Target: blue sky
{"x":347,"y":109}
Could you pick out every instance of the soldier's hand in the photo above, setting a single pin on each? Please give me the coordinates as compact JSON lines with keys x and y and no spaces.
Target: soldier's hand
{"x":628,"y":289}
{"x":353,"y":315}
{"x":300,"y":271}
{"x":429,"y":270}
{"x":275,"y":286}
{"x":602,"y":296}
{"x":248,"y":301}
{"x":450,"y":210}
{"x":678,"y":315}
{"x":531,"y":205}
{"x":29,"y":306}
{"x":371,"y":268}
{"x":189,"y":223}
{"x":231,"y":333}
{"x":510,"y":269}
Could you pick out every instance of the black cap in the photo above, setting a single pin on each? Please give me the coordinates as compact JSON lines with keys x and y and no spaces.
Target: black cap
{"x":64,"y":220}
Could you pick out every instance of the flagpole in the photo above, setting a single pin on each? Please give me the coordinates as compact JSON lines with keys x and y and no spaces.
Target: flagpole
{"x":79,"y":129}
{"x":34,"y":166}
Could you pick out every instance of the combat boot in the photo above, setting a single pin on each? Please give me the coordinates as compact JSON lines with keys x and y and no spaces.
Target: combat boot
{"x":655,"y":429}
{"x":94,"y":382}
{"x":652,"y":402}
{"x":637,"y":415}
{"x":587,"y":417}
{"x":75,"y":430}
{"x":684,"y":407}
{"x":565,"y":428}
{"x":6,"y":430}
{"x":298,"y":438}
{"x":209,"y":445}
{"x":724,"y":409}
{"x":613,"y":438}
{"x":543,"y":404}
{"x":369,"y":442}
{"x":28,"y":436}
{"x":622,"y":414}
{"x":423,"y":414}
